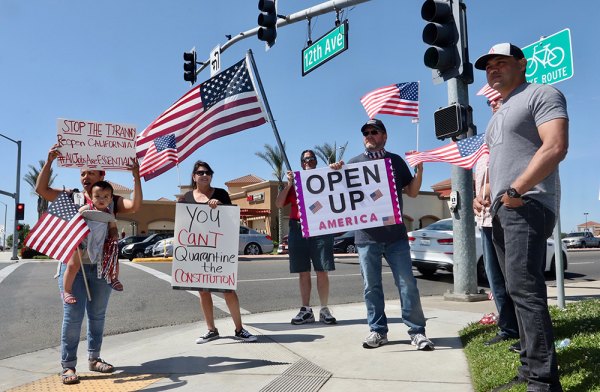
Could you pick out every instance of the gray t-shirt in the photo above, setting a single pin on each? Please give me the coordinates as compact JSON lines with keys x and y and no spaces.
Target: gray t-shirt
{"x":513,"y":139}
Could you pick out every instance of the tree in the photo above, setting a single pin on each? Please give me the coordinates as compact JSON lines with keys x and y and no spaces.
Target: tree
{"x":31,"y":179}
{"x":274,"y":156}
{"x":328,"y":153}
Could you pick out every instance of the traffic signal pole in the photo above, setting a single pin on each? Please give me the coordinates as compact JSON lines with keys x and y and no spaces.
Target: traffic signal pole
{"x":320,"y":9}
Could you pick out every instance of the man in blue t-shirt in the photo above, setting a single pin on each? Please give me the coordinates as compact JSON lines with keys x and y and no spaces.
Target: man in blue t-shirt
{"x":392,"y":241}
{"x":527,"y":138}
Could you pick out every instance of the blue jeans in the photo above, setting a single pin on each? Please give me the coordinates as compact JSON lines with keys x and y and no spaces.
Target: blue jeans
{"x":73,"y":315}
{"x":397,"y":255}
{"x":507,"y":318}
{"x":520,"y":239}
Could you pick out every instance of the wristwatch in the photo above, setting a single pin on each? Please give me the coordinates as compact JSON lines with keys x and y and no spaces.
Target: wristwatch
{"x":512,"y":193}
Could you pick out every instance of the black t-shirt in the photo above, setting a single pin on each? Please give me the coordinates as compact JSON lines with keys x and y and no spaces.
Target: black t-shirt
{"x":219,"y":193}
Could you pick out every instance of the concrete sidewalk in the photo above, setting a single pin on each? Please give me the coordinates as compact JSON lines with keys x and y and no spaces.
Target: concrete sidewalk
{"x":313,"y":357}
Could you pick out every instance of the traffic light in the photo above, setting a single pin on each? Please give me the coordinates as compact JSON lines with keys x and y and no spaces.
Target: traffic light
{"x":267,"y":19}
{"x":448,"y":57}
{"x":20,"y":214}
{"x":189,"y":66}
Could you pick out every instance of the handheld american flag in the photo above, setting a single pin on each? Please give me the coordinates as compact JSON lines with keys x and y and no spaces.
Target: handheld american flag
{"x":59,"y":231}
{"x":400,"y":99}
{"x":490,"y":93}
{"x":463,"y":153}
{"x":225,"y":104}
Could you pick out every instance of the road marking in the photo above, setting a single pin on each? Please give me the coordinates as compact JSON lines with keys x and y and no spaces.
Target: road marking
{"x":218,"y":302}
{"x":296,"y":278}
{"x":4,"y":272}
{"x":582,"y":262}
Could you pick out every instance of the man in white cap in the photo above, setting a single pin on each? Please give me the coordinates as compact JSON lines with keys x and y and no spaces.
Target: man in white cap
{"x":527,"y":138}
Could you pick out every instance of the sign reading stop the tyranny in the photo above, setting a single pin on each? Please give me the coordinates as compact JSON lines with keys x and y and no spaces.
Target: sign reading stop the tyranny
{"x":550,"y":60}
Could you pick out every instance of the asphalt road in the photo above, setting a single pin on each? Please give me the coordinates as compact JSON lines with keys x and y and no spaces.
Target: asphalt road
{"x":30,"y":306}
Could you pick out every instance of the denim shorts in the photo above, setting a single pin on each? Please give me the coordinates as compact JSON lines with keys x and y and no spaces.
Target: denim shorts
{"x":302,"y":250}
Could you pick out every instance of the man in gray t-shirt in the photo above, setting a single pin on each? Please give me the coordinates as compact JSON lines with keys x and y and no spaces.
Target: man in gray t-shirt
{"x":527,"y":138}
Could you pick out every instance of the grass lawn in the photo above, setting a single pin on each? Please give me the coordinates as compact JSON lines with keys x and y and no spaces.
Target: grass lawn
{"x":579,"y":362}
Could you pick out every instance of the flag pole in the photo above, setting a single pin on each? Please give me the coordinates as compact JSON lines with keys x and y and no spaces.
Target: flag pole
{"x":87,"y":287}
{"x":250,"y":57}
{"x":419,"y":103}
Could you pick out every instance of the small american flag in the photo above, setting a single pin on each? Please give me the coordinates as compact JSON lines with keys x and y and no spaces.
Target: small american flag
{"x":163,"y":151}
{"x":463,"y":153}
{"x":59,"y":231}
{"x":224,"y":104}
{"x":316,"y":207}
{"x":388,"y":220}
{"x":400,"y":99}
{"x":489,"y":93}
{"x":376,"y":195}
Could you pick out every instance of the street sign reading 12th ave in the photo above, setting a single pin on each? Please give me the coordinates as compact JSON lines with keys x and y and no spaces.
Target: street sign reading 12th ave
{"x":550,"y":60}
{"x":325,"y":48}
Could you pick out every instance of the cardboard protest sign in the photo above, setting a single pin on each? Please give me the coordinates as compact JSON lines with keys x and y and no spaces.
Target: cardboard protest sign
{"x":95,"y":145}
{"x":205,"y":247}
{"x":357,"y":196}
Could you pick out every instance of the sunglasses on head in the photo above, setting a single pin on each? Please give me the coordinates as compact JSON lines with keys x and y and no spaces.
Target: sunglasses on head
{"x":371,"y":132}
{"x":202,"y":173}
{"x":308,"y":159}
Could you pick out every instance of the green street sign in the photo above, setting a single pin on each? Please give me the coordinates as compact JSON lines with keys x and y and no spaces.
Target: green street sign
{"x":550,"y":60}
{"x":325,"y":48}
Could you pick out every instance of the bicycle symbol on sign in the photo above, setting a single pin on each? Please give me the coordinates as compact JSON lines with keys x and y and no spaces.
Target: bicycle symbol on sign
{"x":544,"y":56}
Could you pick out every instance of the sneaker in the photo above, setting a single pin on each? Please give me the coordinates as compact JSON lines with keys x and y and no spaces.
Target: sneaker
{"x":326,"y":317}
{"x":208,"y":336}
{"x":421,"y":342}
{"x":515,"y":348}
{"x":497,"y":339}
{"x":304,"y":316}
{"x":244,"y":335}
{"x":374,"y":340}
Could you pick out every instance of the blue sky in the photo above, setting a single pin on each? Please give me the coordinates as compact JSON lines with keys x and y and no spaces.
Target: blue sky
{"x":121,"y":61}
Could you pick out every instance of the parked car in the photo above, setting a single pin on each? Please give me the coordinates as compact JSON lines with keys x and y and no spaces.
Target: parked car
{"x":136,"y":249}
{"x":254,"y":243}
{"x":344,"y":243}
{"x":581,"y":239}
{"x":282,"y":249}
{"x":431,"y":248}
{"x":129,"y":240}
{"x":163,"y":248}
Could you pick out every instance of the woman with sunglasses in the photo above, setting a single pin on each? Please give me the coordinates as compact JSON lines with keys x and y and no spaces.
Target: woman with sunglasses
{"x":204,"y":193}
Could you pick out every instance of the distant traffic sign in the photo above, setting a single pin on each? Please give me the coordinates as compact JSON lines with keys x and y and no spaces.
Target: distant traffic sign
{"x":550,"y":60}
{"x":325,"y":48}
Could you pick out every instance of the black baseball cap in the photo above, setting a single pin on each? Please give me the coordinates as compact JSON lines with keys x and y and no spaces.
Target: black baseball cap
{"x":375,"y":123}
{"x":503,"y":49}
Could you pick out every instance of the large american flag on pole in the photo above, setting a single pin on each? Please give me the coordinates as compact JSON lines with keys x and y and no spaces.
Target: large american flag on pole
{"x":59,"y":231}
{"x":490,"y":93}
{"x":225,"y":104}
{"x":401,"y":99}
{"x":463,"y":153}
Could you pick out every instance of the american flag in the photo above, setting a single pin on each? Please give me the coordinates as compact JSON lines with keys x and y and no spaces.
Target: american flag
{"x":463,"y":153}
{"x":388,"y":220}
{"x":59,"y":231}
{"x":489,"y":93}
{"x":225,"y":104}
{"x":162,"y":151}
{"x":316,"y":207}
{"x":400,"y":99}
{"x":376,"y":195}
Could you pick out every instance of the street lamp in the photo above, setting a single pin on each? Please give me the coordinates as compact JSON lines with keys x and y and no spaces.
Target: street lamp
{"x":586,"y":214}
{"x":4,"y":229}
{"x":15,"y":196}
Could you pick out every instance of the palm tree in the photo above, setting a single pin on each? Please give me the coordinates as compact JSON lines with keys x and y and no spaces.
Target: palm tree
{"x":274,"y":156}
{"x":31,"y":179}
{"x":328,"y":153}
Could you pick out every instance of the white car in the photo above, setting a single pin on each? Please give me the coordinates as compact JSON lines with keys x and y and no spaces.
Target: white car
{"x":431,"y":248}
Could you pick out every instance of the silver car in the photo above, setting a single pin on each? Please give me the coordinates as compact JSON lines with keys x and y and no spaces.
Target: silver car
{"x":163,"y":248}
{"x":254,"y":243}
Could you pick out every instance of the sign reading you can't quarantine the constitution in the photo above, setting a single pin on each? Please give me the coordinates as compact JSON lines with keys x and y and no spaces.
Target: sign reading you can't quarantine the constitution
{"x":357,"y":196}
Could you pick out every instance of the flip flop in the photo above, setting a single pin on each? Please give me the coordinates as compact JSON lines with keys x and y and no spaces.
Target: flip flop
{"x":69,"y":299}
{"x":69,"y":376}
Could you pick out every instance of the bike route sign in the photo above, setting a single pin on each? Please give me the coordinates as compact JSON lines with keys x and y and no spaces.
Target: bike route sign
{"x":550,"y":60}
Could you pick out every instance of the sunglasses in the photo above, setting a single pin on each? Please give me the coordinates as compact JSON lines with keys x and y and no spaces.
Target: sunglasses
{"x":202,"y":173}
{"x":308,"y":159}
{"x":372,"y":132}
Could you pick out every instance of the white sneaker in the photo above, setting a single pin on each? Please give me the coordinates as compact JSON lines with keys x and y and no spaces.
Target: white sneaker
{"x":326,"y":317}
{"x":304,"y":316}
{"x":374,"y":340}
{"x":421,"y":342}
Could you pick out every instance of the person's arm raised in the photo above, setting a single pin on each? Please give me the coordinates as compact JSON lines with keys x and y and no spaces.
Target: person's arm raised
{"x":42,"y":185}
{"x":127,"y":206}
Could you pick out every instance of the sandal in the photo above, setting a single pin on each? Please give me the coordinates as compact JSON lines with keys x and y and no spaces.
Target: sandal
{"x":69,"y":299}
{"x":69,"y":376}
{"x":98,"y":365}
{"x":116,"y":285}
